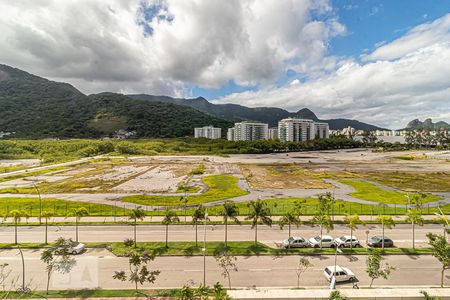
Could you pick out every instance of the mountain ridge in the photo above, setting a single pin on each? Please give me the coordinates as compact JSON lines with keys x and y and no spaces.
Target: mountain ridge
{"x":427,"y":124}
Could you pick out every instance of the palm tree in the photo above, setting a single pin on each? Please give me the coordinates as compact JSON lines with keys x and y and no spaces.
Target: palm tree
{"x":352,"y":223}
{"x":229,"y":211}
{"x":46,"y":215}
{"x":322,"y":217}
{"x":17,"y":215}
{"x":169,"y":217}
{"x":258,"y":212}
{"x":78,"y":213}
{"x":136,"y":214}
{"x":385,"y":221}
{"x":290,"y":218}
{"x":414,"y":216}
{"x":198,"y":215}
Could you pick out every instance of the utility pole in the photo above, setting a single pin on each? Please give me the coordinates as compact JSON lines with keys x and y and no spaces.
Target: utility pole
{"x":204,"y":250}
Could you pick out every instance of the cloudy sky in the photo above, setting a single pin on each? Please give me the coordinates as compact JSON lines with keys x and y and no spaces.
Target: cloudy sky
{"x":382,"y":62}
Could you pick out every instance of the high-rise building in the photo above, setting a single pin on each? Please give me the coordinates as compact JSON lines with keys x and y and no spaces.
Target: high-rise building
{"x":208,"y":132}
{"x":298,"y":130}
{"x":248,"y":131}
{"x":273,"y":133}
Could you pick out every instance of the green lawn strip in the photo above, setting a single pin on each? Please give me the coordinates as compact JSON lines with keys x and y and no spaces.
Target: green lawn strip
{"x":246,"y":248}
{"x":35,"y":173}
{"x":56,"y":206}
{"x":371,"y":192}
{"x":86,"y":293}
{"x":220,"y":187}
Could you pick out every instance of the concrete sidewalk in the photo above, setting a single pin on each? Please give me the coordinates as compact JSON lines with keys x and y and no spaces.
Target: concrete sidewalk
{"x":313,"y":294}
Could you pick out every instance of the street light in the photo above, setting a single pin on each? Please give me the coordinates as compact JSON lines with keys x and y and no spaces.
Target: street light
{"x":409,"y":201}
{"x":442,"y":216}
{"x":333,"y":282}
{"x":204,"y":250}
{"x":40,"y":203}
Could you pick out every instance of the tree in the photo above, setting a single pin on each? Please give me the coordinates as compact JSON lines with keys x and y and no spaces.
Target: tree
{"x":139,"y":270}
{"x":375,"y":267}
{"x":288,"y":219}
{"x":428,"y":297}
{"x":198,"y":215}
{"x":258,"y":212}
{"x":336,"y":295}
{"x":136,"y":214}
{"x":352,"y":223}
{"x":229,"y":211}
{"x":170,"y":217}
{"x":46,"y":215}
{"x":78,"y":213}
{"x":58,"y":258}
{"x":185,"y":293}
{"x":440,"y":249}
{"x":386,"y":222}
{"x":184,"y":200}
{"x":322,"y":216}
{"x":303,"y":265}
{"x":414,"y":216}
{"x":17,"y":216}
{"x":227,"y":263}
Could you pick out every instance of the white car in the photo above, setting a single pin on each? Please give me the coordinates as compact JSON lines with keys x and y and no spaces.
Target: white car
{"x":77,"y":248}
{"x":294,"y":242}
{"x":342,"y":274}
{"x":346,"y":240}
{"x":327,"y":242}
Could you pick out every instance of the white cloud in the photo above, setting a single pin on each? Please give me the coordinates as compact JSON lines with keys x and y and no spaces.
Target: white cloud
{"x":405,"y":79}
{"x":101,"y":44}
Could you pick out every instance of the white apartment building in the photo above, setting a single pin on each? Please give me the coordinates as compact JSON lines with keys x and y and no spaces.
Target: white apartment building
{"x":273,"y":133}
{"x":298,"y":130}
{"x":208,"y":132}
{"x":248,"y":131}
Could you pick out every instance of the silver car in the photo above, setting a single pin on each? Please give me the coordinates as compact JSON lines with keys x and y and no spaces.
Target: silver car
{"x":294,"y":242}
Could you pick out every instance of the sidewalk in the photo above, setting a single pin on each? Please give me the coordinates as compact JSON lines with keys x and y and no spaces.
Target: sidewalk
{"x":310,"y":294}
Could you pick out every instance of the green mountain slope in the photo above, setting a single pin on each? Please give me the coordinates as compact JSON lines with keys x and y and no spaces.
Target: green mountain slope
{"x":236,"y":113}
{"x":34,"y":107}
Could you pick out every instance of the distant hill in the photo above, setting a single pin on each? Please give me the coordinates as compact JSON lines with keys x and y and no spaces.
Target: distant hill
{"x":236,"y":113}
{"x":34,"y":107}
{"x":427,"y":125}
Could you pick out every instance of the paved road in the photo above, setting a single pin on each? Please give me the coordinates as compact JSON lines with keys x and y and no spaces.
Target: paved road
{"x":401,"y":234}
{"x":95,"y":269}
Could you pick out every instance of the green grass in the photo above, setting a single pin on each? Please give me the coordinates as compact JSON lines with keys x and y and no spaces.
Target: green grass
{"x":84,"y":294}
{"x":57,"y":207}
{"x":245,"y":248}
{"x":220,"y":187}
{"x":35,"y":173}
{"x":370,"y":192}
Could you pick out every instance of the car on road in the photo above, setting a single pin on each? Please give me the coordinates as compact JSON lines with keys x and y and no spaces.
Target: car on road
{"x":75,"y":248}
{"x":342,"y":274}
{"x":327,"y":242}
{"x":294,"y":242}
{"x":345,"y":241}
{"x":377,"y":241}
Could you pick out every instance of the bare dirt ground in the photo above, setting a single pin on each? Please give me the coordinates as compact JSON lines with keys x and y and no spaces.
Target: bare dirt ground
{"x":19,"y":162}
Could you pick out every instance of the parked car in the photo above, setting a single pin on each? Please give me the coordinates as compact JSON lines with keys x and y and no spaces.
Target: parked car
{"x":377,"y":241}
{"x":75,"y":248}
{"x":346,"y":240}
{"x":327,"y":242}
{"x":294,"y":242}
{"x":342,"y":274}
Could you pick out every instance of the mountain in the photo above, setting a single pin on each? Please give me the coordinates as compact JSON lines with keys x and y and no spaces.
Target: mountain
{"x":34,"y":107}
{"x":236,"y":113}
{"x":427,"y":124}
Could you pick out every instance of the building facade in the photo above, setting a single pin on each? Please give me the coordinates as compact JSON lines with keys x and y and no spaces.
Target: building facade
{"x":299,"y":130}
{"x":208,"y":132}
{"x":273,"y":133}
{"x":248,"y":131}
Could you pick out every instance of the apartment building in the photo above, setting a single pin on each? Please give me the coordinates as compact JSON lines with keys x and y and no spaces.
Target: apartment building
{"x":273,"y":133}
{"x":248,"y":131}
{"x":298,"y":130}
{"x":208,"y":132}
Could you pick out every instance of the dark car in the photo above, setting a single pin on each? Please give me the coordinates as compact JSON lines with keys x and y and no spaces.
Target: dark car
{"x":377,"y":241}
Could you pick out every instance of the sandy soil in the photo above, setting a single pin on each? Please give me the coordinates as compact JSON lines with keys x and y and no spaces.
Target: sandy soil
{"x":19,"y":162}
{"x":28,"y":182}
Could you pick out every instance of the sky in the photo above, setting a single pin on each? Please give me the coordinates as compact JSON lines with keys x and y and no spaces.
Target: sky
{"x":381,"y":62}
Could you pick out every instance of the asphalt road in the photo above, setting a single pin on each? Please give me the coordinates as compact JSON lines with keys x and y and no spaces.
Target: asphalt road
{"x":401,"y":234}
{"x":96,"y":267}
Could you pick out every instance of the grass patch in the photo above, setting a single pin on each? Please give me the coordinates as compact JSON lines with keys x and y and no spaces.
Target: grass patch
{"x":86,"y":293}
{"x":411,"y":181}
{"x":246,"y":248}
{"x":35,"y":173}
{"x":220,"y":187}
{"x":59,"y":208}
{"x":370,"y":192}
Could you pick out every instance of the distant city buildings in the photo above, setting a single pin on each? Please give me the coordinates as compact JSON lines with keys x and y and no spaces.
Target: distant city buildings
{"x":5,"y":133}
{"x":208,"y":132}
{"x":273,"y":133}
{"x":248,"y":131}
{"x":299,"y":130}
